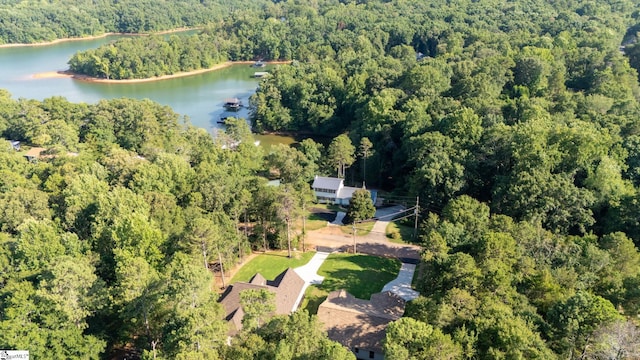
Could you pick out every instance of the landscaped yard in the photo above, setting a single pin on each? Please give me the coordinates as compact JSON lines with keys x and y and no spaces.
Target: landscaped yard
{"x":271,"y":265}
{"x":360,"y":275}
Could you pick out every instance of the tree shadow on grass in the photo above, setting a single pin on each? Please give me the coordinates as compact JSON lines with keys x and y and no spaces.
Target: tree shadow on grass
{"x":329,"y":217}
{"x":322,"y":214}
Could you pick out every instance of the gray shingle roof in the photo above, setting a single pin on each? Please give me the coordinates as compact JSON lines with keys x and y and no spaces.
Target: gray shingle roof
{"x":347,"y":192}
{"x":287,"y":286}
{"x":321,"y":182}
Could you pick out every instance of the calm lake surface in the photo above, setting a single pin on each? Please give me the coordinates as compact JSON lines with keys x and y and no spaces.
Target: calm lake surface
{"x":199,"y":97}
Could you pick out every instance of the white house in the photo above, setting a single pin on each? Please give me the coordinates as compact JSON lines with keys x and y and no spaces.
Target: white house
{"x":332,"y":190}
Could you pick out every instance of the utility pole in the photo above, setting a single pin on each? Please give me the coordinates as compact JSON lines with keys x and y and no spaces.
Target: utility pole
{"x":353,"y":227}
{"x":221,"y":268}
{"x":416,"y":212}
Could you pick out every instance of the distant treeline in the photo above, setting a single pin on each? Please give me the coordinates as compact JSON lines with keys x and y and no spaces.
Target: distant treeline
{"x":25,"y":22}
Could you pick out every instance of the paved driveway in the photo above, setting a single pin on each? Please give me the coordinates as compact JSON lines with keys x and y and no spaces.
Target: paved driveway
{"x":389,"y":213}
{"x":309,"y":273}
{"x":401,"y":285}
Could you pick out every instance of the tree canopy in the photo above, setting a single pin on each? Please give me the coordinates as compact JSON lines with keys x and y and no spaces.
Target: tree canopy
{"x":514,"y":122}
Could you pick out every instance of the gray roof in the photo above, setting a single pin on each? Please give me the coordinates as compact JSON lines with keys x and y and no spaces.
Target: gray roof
{"x":347,"y":192}
{"x":331,"y":183}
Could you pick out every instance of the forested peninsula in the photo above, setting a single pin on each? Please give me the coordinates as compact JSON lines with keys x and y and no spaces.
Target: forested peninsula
{"x":514,"y":124}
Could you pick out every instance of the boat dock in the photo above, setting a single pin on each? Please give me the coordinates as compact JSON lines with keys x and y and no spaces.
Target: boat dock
{"x":233,"y":104}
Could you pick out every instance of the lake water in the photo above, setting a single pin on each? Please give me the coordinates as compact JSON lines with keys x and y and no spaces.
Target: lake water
{"x":199,"y":97}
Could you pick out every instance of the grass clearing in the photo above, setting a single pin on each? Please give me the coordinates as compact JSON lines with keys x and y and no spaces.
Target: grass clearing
{"x":362,"y":229}
{"x":360,"y":275}
{"x":316,"y":224}
{"x":312,"y":223}
{"x":271,"y":265}
{"x":331,"y":207}
{"x":399,"y":234}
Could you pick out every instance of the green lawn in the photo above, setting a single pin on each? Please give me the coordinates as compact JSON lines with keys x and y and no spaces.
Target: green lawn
{"x":399,"y":234}
{"x":362,"y":229}
{"x":313,"y":223}
{"x":271,"y":265}
{"x":331,"y":207}
{"x":360,"y":275}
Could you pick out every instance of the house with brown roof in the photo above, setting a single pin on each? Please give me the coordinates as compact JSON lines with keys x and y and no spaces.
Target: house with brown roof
{"x":34,"y":153}
{"x":360,"y":325}
{"x":287,"y":287}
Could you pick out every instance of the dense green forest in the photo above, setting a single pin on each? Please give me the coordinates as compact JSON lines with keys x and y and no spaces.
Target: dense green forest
{"x":516,"y":124}
{"x":108,"y":239}
{"x":146,"y":57}
{"x":26,"y":22}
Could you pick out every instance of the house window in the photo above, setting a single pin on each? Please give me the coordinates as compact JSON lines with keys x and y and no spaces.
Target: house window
{"x":328,"y":191}
{"x":371,"y":354}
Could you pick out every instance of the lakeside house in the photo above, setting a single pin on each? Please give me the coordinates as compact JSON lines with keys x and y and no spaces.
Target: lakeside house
{"x":36,"y":153}
{"x":332,"y":190}
{"x":287,"y":288}
{"x":33,"y":154}
{"x":360,"y":325}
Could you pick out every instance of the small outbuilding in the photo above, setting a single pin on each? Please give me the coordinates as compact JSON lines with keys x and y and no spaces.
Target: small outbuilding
{"x":14,"y":145}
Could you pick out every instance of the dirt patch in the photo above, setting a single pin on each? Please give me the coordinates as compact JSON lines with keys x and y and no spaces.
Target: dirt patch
{"x":228,"y":274}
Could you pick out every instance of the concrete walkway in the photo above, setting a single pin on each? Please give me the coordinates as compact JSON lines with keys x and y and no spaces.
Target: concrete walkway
{"x":401,"y":286}
{"x":379,"y":230}
{"x":309,"y":273}
{"x":338,"y":220}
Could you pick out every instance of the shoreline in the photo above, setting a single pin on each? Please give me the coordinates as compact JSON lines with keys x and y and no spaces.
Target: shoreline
{"x":93,"y":37}
{"x":68,"y":74}
{"x":293,"y":134}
